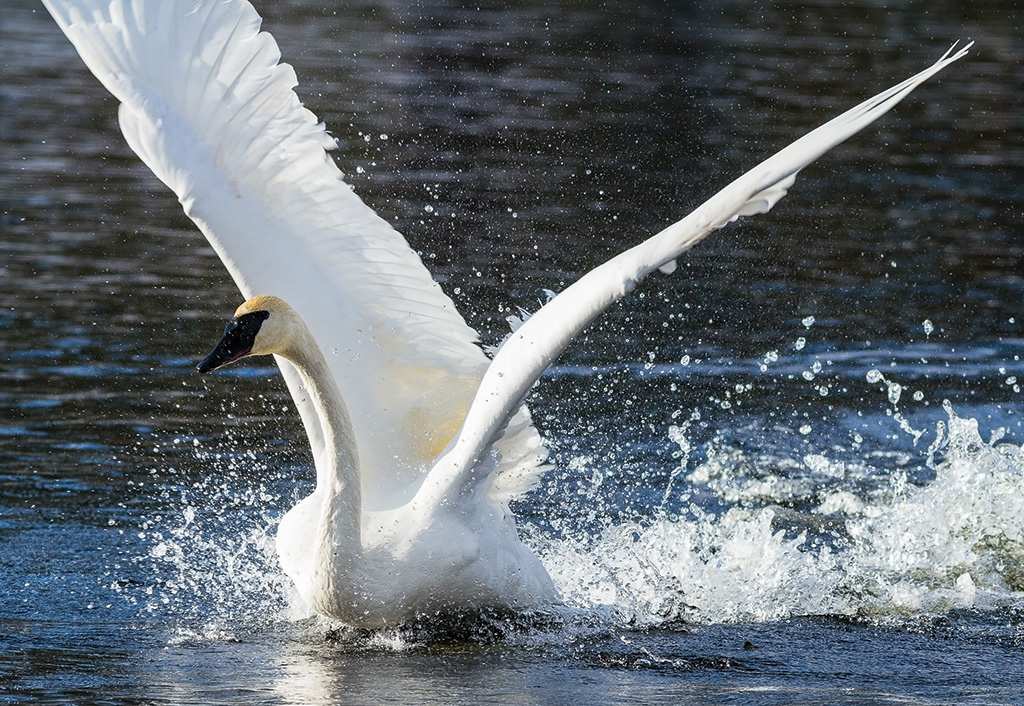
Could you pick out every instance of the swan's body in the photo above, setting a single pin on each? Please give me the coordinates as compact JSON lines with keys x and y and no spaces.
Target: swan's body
{"x":419,"y":441}
{"x":371,"y":567}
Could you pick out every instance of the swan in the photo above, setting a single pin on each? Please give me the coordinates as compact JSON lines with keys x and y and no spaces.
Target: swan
{"x":419,"y":439}
{"x":372,"y":568}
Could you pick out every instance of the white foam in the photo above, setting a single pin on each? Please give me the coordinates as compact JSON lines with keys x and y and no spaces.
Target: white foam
{"x":956,"y":542}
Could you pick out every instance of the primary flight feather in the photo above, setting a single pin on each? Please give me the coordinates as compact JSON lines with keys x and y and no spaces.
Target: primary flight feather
{"x":418,"y":438}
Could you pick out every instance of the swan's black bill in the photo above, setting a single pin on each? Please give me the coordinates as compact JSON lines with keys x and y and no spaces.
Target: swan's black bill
{"x":237,"y":341}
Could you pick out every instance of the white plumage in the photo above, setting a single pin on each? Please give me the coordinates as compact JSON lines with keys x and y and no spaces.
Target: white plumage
{"x":442,"y":438}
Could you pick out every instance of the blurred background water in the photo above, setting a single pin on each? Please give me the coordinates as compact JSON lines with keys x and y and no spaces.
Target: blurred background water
{"x":791,"y":472}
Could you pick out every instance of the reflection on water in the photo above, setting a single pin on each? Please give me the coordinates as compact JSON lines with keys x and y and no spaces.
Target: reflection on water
{"x":753,"y":430}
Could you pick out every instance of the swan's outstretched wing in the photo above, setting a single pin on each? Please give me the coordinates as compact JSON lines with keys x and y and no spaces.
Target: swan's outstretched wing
{"x":530,"y":350}
{"x":208,"y":107}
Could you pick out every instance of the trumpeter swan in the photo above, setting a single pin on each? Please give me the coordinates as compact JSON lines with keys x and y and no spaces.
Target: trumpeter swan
{"x":377,"y":567}
{"x":419,"y":440}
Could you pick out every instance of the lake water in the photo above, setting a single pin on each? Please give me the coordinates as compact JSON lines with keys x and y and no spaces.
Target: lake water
{"x":789,"y":473}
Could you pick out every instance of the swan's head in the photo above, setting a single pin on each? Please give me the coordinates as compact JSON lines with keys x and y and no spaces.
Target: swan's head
{"x":261,"y":326}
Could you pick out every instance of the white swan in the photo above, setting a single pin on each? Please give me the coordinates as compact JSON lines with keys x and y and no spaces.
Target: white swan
{"x":419,"y":441}
{"x":378,"y":567}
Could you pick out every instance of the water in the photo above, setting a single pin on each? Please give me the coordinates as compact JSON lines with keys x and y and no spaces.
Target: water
{"x":789,"y":473}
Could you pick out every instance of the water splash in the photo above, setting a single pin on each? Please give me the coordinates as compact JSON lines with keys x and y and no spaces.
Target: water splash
{"x":209,"y":557}
{"x":806,"y":533}
{"x":956,"y":542}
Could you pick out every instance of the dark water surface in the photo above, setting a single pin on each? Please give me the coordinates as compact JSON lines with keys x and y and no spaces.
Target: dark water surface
{"x":759,"y":495}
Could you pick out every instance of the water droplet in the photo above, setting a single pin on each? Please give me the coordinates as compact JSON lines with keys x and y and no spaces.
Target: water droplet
{"x":928,"y":327}
{"x":800,"y":343}
{"x":807,"y":321}
{"x":895,"y":389}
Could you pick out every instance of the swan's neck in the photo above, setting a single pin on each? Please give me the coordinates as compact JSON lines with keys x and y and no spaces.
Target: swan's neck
{"x":338,"y":545}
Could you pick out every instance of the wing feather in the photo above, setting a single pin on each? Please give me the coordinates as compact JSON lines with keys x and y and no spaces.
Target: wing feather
{"x":207,"y":105}
{"x":525,"y":354}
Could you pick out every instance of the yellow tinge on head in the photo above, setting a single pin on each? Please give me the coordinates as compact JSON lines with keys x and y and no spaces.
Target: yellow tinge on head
{"x":262,"y":302}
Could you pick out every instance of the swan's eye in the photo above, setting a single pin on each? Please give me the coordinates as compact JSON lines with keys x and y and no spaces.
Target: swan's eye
{"x":249,"y":322}
{"x":242,"y":330}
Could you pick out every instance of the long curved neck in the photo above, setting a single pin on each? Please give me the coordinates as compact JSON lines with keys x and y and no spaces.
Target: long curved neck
{"x":337,"y":472}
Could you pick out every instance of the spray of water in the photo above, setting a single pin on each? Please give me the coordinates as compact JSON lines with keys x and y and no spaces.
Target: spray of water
{"x":820,"y":540}
{"x":956,"y":542}
{"x":209,"y":560}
